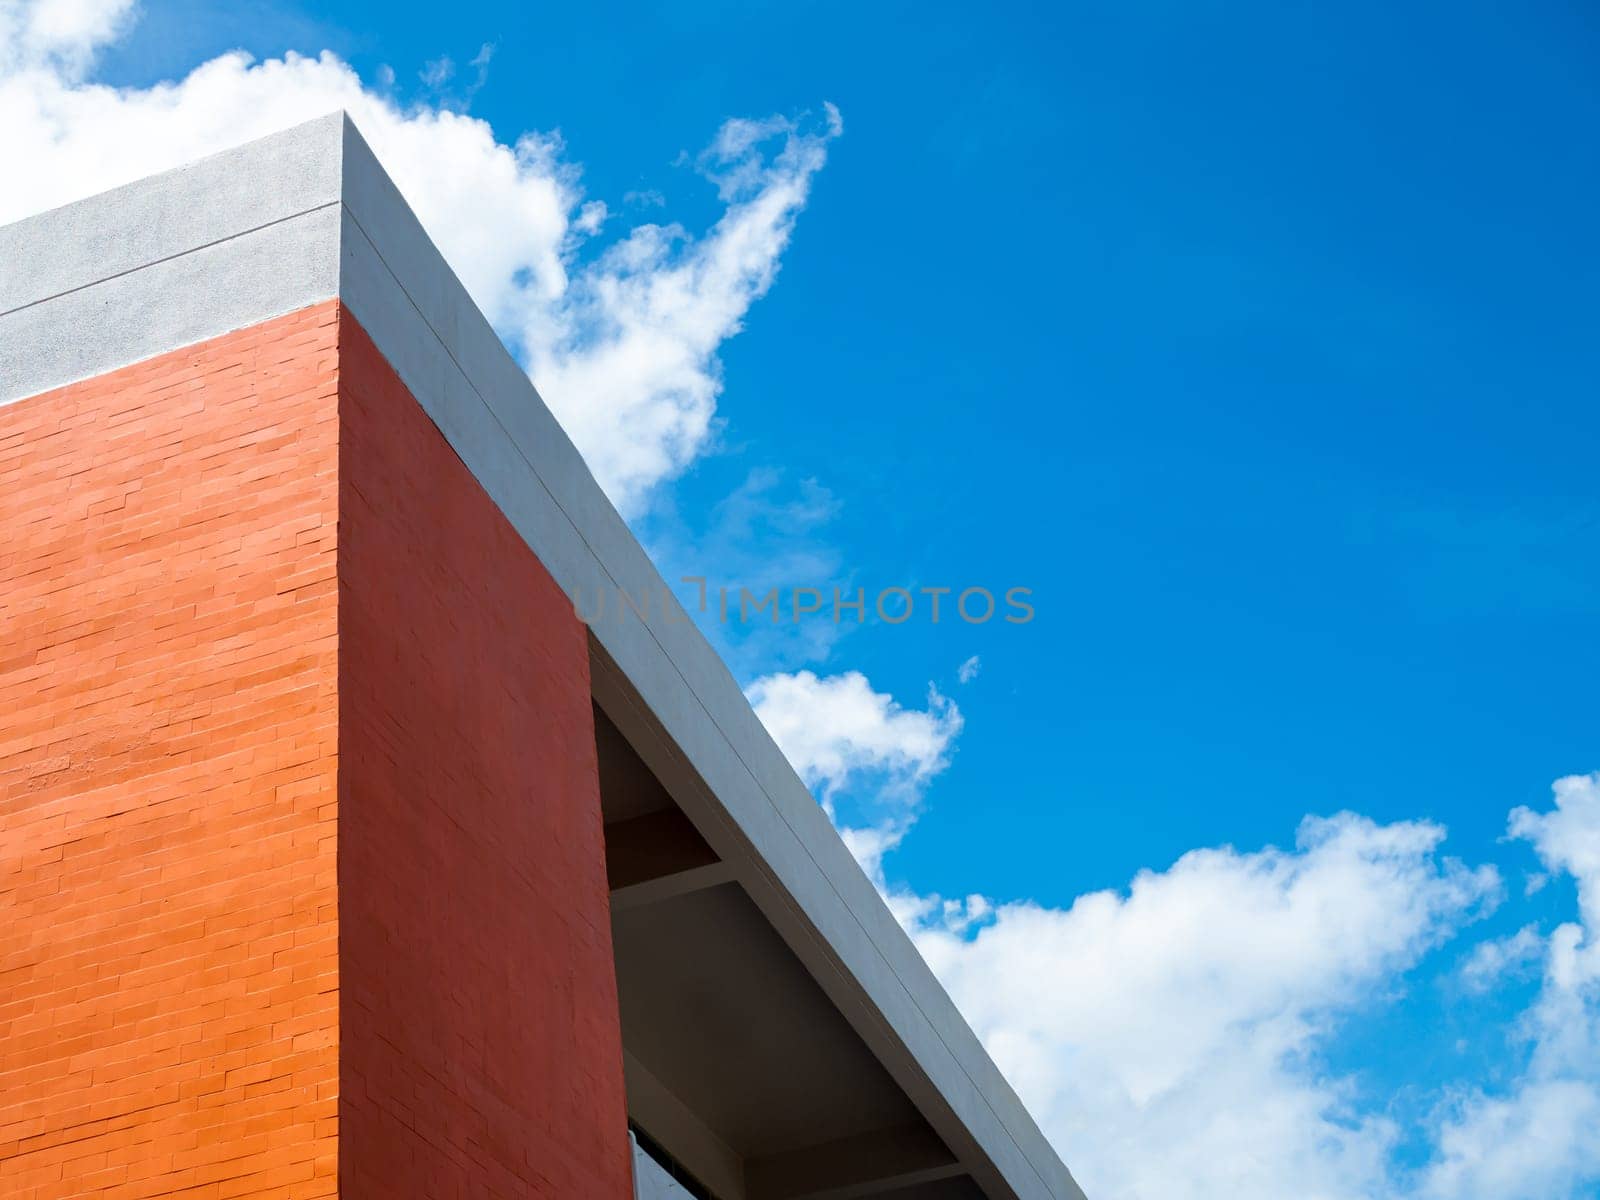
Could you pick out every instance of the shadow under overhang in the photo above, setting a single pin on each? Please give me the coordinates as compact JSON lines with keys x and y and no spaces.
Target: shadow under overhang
{"x":739,"y":1066}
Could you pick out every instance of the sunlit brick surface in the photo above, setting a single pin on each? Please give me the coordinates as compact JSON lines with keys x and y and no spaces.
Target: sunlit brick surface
{"x":302,"y":882}
{"x":168,"y":705}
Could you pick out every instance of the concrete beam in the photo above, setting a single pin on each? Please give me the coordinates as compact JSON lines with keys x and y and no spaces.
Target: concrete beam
{"x":694,"y":1144}
{"x":658,"y":856}
{"x":868,"y":1165}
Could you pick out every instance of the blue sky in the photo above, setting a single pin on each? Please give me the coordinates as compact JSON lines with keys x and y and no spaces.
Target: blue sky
{"x":1259,"y":342}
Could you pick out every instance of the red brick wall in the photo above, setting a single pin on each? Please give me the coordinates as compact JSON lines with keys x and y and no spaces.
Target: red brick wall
{"x":203,"y":990}
{"x":481,"y":1053}
{"x":168,"y":952}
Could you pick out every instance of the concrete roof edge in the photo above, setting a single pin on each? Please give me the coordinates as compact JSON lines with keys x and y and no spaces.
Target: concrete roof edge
{"x":172,"y":259}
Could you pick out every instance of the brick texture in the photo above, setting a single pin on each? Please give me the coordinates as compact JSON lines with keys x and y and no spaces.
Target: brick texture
{"x":168,"y":704}
{"x":301,"y":869}
{"x":481,"y":1052}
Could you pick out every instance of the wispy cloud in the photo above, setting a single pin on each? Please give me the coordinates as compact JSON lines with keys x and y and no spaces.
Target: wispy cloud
{"x":769,"y":534}
{"x":1494,"y":960}
{"x":438,"y":74}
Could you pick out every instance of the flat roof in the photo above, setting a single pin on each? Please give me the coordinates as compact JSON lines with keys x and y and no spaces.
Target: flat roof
{"x":309,"y":214}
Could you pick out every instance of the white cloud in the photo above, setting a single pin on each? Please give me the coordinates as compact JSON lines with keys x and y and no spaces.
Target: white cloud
{"x":1164,"y":1036}
{"x":968,"y":671}
{"x":1494,"y":960}
{"x":61,"y":36}
{"x":835,"y":729}
{"x":1540,"y":1143}
{"x":842,"y":736}
{"x":636,"y":335}
{"x":1567,"y":840}
{"x":1169,"y":1037}
{"x":622,"y":341}
{"x":1537,"y":1139}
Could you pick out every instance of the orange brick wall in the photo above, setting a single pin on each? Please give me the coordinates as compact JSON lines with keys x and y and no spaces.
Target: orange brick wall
{"x":302,"y":884}
{"x":168,"y":704}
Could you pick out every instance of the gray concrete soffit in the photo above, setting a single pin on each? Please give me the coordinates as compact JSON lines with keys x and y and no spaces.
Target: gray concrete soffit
{"x":308,"y":214}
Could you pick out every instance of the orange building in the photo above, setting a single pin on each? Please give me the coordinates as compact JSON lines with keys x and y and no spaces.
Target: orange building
{"x":338,"y":856}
